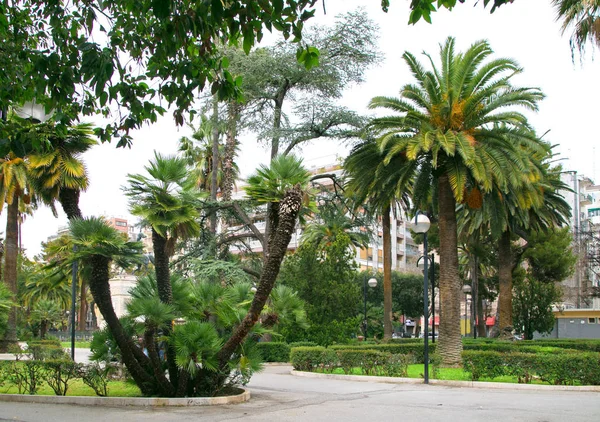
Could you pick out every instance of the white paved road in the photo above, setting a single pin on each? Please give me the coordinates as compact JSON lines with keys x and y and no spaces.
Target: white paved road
{"x":278,"y":396}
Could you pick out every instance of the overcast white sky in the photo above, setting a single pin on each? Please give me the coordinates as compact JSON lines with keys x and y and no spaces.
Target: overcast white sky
{"x":526,"y":31}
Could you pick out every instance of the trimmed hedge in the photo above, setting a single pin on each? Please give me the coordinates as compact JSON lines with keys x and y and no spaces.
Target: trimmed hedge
{"x":416,"y":350}
{"x":371,"y":362}
{"x":556,"y":369}
{"x":274,"y":352}
{"x":303,"y":344}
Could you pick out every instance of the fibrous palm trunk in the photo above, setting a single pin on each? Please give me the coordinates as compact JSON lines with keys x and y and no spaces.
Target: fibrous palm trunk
{"x":10,"y":270}
{"x":505,"y":264}
{"x":282,"y":234}
{"x":69,"y":201}
{"x":230,"y":145}
{"x":137,"y":363}
{"x":165,"y":293}
{"x":450,"y":343}
{"x":387,"y":273}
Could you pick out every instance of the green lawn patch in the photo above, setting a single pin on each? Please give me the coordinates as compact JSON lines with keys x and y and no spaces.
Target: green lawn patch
{"x":78,"y":388}
{"x":78,"y":344}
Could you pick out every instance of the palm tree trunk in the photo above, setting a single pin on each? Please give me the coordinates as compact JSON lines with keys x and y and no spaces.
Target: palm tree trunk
{"x":230,"y":144}
{"x":387,"y":273}
{"x":43,"y":328}
{"x":69,"y":201}
{"x":149,"y":342}
{"x":505,"y":265}
{"x":165,"y":293}
{"x":82,"y":306}
{"x":10,"y":270}
{"x":137,"y":363}
{"x":215,"y":164}
{"x":288,"y":213}
{"x":279,"y":97}
{"x":450,"y":343}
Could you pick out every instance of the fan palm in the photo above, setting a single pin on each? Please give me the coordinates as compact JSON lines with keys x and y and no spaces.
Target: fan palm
{"x":60,"y":173}
{"x":99,"y":245}
{"x":584,"y":17}
{"x":166,"y":202}
{"x":329,"y":223}
{"x":456,"y":128}
{"x":46,"y":312}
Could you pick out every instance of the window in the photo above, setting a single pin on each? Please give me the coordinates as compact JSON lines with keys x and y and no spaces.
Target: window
{"x":591,"y":320}
{"x":593,"y":212}
{"x":121,"y":223}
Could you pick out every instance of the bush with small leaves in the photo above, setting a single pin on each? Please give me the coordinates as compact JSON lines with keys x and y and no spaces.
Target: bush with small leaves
{"x":58,"y":373}
{"x":96,"y":377}
{"x":33,"y":373}
{"x":396,"y":365}
{"x":274,"y":352}
{"x":306,"y":358}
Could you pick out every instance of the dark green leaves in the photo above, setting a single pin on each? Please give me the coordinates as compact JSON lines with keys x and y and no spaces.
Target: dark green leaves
{"x":162,"y":8}
{"x":308,"y":56}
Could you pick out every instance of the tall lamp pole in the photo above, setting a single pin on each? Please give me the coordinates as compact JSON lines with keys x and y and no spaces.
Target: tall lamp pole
{"x":421,"y":225}
{"x":466,"y":290}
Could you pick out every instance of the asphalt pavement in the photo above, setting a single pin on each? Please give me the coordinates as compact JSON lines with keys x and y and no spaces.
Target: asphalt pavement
{"x":279,"y":396}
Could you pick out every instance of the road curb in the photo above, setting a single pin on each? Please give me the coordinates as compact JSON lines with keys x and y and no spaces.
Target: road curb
{"x":461,"y":384}
{"x":128,"y":401}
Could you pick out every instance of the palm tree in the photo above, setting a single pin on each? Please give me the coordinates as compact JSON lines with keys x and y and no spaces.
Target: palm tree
{"x":60,"y":174}
{"x":168,"y":205}
{"x":383,"y":188}
{"x":46,"y":312}
{"x":14,"y":188}
{"x":329,"y":223}
{"x":283,"y":186}
{"x":99,"y":246}
{"x":455,"y":127}
{"x":584,"y":17}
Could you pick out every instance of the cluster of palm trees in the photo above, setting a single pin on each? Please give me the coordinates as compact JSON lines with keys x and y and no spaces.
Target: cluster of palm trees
{"x":45,"y":168}
{"x":457,"y":147}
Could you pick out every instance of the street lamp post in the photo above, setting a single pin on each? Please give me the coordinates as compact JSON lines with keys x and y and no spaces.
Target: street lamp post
{"x":421,"y":225}
{"x":372,"y":282}
{"x":467,"y":291}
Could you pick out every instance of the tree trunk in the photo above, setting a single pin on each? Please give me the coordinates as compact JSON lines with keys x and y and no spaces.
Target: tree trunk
{"x":505,"y":265}
{"x":43,"y":328}
{"x":149,"y":342}
{"x":215,"y":164}
{"x":82,"y":306}
{"x":387,"y":273}
{"x":277,"y":118}
{"x":10,"y":270}
{"x":69,"y":201}
{"x":165,"y":293}
{"x":449,"y":343}
{"x":288,"y":213}
{"x":230,"y":145}
{"x":137,"y":363}
{"x":474,"y":270}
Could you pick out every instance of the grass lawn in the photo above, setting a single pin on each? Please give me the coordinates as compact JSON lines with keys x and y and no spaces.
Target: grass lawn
{"x":78,"y":344}
{"x":78,"y":388}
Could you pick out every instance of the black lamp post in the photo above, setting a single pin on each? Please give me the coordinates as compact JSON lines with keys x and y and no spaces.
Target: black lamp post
{"x":421,"y":225}
{"x":372,"y":282}
{"x":467,"y":291}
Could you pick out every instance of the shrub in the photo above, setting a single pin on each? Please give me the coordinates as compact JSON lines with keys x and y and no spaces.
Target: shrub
{"x":306,"y":358}
{"x":274,"y":352}
{"x":367,"y":359}
{"x":303,"y":344}
{"x":480,"y":364}
{"x":329,"y":360}
{"x":96,"y":377}
{"x":45,"y":349}
{"x":416,"y":350}
{"x":396,"y":365}
{"x":565,"y":369}
{"x":58,"y":373}
{"x":32,"y":374}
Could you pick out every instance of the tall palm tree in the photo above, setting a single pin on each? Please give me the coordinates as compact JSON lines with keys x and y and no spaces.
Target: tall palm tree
{"x":383,"y":188}
{"x":456,"y":127}
{"x":166,"y":202}
{"x":14,"y":188}
{"x":584,"y":17}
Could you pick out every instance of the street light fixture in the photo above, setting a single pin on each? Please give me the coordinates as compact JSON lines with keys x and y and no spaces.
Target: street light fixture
{"x":467,"y":291}
{"x":421,"y":225}
{"x":372,"y":282}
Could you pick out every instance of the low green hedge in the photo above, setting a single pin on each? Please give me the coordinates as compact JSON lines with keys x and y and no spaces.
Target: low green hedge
{"x":370,"y":362}
{"x":274,"y":352}
{"x":415,"y":350}
{"x":303,"y":344}
{"x":556,"y":369}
